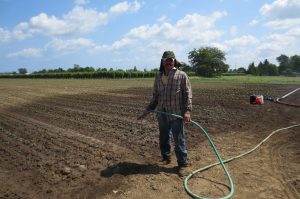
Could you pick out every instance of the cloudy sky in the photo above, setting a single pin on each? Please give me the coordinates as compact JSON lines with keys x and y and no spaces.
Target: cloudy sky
{"x":123,"y":34}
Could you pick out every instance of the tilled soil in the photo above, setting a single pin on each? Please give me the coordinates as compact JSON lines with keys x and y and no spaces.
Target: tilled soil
{"x":81,"y":139}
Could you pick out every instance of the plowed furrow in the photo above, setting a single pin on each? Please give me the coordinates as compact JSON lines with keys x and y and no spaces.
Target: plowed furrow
{"x":66,"y":134}
{"x":88,"y":122}
{"x":39,"y":138}
{"x":56,"y":149}
{"x":289,"y":144}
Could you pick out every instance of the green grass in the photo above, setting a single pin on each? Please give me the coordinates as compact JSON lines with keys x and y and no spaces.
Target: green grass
{"x":249,"y":79}
{"x":146,"y":82}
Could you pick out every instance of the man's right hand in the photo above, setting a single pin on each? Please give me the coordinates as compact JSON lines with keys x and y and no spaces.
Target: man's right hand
{"x":144,"y":114}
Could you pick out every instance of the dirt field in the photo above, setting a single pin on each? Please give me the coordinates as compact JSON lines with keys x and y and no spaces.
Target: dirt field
{"x":80,"y":139}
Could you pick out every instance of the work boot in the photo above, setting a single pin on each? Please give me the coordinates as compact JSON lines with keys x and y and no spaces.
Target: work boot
{"x":166,"y":160}
{"x":183,"y":170}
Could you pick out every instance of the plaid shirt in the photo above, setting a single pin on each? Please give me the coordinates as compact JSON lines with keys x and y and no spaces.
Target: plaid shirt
{"x":175,"y":97}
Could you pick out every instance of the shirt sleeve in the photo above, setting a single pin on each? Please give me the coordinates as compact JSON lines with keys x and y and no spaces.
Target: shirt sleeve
{"x":187,"y":94}
{"x":154,"y":101}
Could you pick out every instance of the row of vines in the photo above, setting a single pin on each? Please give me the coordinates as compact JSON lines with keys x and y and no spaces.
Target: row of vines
{"x":86,"y":75}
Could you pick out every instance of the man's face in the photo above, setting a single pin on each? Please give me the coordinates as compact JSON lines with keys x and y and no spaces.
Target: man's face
{"x":168,"y":63}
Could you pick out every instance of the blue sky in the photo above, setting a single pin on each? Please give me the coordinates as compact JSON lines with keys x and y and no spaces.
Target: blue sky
{"x":123,"y":34}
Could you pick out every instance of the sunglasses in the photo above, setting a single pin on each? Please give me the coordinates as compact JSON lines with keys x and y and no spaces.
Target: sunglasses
{"x":168,"y":59}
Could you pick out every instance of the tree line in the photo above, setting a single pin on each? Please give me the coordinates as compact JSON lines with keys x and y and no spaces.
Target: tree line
{"x":287,"y":66}
{"x":205,"y":61}
{"x":210,"y":62}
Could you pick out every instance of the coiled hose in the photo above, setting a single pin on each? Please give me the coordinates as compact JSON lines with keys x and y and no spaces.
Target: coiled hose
{"x":230,"y":194}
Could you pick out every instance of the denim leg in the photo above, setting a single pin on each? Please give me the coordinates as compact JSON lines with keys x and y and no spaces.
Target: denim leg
{"x":180,"y":145}
{"x":164,"y":136}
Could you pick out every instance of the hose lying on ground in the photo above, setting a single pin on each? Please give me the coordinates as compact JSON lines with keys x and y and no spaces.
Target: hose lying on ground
{"x":278,"y":100}
{"x":215,"y":150}
{"x":222,"y":162}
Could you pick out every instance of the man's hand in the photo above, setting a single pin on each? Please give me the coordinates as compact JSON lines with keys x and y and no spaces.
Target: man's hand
{"x":144,"y":114}
{"x":187,"y":116}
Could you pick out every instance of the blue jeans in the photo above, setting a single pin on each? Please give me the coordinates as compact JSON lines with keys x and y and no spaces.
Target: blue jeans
{"x":166,"y":127}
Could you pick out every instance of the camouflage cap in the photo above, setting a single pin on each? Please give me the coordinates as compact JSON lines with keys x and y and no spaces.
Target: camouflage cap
{"x":168,"y":54}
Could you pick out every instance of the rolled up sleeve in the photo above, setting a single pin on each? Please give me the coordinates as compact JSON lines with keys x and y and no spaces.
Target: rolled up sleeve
{"x":187,"y":95}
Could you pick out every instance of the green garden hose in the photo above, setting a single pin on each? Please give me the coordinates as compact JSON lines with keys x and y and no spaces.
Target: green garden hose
{"x":218,"y":156}
{"x":216,"y":152}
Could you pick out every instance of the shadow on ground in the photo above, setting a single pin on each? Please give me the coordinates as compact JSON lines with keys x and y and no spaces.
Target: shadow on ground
{"x":129,"y":168}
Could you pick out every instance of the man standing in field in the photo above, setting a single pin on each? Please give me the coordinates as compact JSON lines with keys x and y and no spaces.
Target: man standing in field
{"x":172,"y":93}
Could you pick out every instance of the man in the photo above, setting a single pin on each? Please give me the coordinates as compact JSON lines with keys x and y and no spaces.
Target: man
{"x":172,"y":93}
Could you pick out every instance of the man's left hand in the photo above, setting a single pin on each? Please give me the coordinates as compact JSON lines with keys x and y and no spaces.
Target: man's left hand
{"x":187,"y":117}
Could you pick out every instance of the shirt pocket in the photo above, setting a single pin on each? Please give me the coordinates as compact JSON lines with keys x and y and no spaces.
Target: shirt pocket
{"x":161,"y":90}
{"x":177,"y":88}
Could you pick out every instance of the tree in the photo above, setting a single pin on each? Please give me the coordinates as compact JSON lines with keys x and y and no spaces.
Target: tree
{"x":267,"y":69}
{"x":208,"y":61}
{"x":241,"y":70}
{"x":22,"y":70}
{"x":260,"y":68}
{"x":295,"y":63}
{"x":284,"y":63}
{"x":88,"y":69}
{"x":59,"y":70}
{"x":155,"y":70}
{"x":252,"y":69}
{"x":273,"y":70}
{"x":76,"y":68}
{"x":185,"y":67}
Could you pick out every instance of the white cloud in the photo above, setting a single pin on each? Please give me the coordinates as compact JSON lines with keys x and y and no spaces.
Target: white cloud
{"x":191,"y":28}
{"x":281,"y":9}
{"x":264,"y":47}
{"x":150,"y":40}
{"x":121,"y":43}
{"x":283,"y":39}
{"x":78,"y":21}
{"x":27,"y":53}
{"x":237,"y":50}
{"x":48,"y":25}
{"x":81,"y":2}
{"x":279,"y":14}
{"x":19,"y":33}
{"x":99,"y":48}
{"x":4,"y":35}
{"x":220,"y":46}
{"x":69,"y":46}
{"x":269,"y":47}
{"x":63,"y":47}
{"x":295,"y":32}
{"x":284,"y":23}
{"x":125,"y":7}
{"x":85,"y":20}
{"x":233,"y":31}
{"x":115,"y":46}
{"x":242,"y":41}
{"x":162,"y":18}
{"x":253,"y":22}
{"x":275,"y":44}
{"x":144,"y":31}
{"x":242,"y":58}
